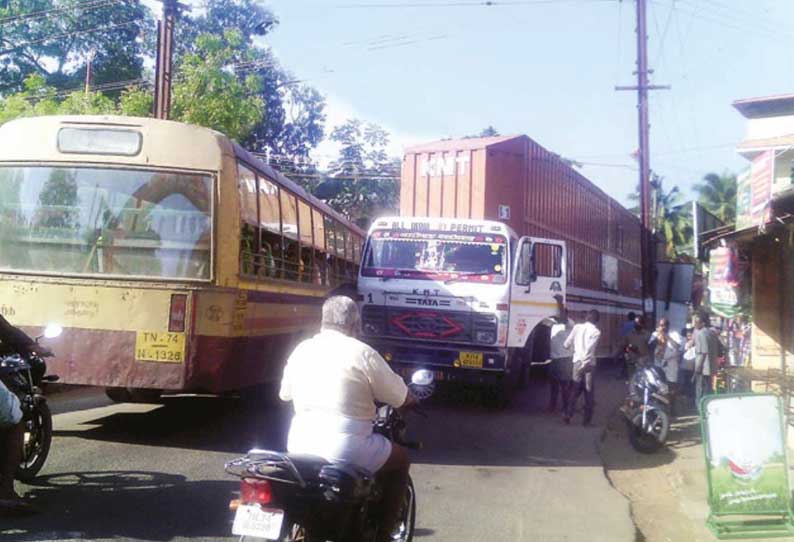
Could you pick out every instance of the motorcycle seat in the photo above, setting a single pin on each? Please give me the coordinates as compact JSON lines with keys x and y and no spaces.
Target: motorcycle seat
{"x":345,"y":480}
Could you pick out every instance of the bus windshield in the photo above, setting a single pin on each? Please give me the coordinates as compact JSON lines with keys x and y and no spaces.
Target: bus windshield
{"x":115,"y":222}
{"x":437,"y":256}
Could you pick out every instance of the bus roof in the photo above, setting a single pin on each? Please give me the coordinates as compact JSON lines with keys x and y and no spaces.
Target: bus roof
{"x":163,"y":143}
{"x":451,"y":224}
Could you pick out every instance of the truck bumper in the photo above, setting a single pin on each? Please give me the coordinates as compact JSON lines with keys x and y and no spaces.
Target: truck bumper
{"x":445,"y":361}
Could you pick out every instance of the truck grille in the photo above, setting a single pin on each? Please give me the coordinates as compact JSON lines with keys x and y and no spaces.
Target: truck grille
{"x":431,"y":325}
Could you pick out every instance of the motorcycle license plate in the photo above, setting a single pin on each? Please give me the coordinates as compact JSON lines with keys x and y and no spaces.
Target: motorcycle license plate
{"x":251,"y":520}
{"x":471,"y":359}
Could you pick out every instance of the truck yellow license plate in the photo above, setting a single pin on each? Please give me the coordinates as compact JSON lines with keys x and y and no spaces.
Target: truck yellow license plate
{"x":472,"y":360}
{"x":160,"y":346}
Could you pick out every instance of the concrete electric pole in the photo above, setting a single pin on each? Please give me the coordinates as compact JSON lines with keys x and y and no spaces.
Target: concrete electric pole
{"x":648,"y":258}
{"x":165,"y":54}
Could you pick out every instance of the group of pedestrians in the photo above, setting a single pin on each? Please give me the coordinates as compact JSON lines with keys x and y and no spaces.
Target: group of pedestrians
{"x":573,"y":361}
{"x":688,"y":358}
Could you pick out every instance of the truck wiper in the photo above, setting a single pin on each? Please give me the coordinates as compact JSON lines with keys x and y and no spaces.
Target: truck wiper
{"x":464,"y":275}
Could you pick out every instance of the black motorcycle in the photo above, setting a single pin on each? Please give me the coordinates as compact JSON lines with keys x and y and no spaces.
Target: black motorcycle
{"x":647,"y":409}
{"x":290,"y":497}
{"x":24,"y":374}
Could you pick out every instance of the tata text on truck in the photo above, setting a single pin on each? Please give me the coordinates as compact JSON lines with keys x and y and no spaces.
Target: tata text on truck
{"x":458,"y":296}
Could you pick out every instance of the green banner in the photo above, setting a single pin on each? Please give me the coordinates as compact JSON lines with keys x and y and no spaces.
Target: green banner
{"x":744,"y":200}
{"x":744,"y":441}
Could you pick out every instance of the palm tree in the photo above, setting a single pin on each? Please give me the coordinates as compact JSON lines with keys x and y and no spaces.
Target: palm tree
{"x":717,"y":193}
{"x":672,"y":219}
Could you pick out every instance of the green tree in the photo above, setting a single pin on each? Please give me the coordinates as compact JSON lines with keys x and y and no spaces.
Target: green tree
{"x":488,"y":131}
{"x":136,"y":102}
{"x":36,"y":98}
{"x":56,"y":38}
{"x":365,"y":179}
{"x":672,"y":217}
{"x":209,"y":95}
{"x":295,"y":119}
{"x":717,"y":193}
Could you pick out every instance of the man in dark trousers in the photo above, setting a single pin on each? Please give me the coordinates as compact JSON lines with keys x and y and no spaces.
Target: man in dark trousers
{"x":584,"y":341}
{"x":707,"y":347}
{"x":561,"y":358}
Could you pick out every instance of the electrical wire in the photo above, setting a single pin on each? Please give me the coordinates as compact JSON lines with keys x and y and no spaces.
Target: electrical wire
{"x":88,"y":5}
{"x":463,"y":3}
{"x":69,"y":34}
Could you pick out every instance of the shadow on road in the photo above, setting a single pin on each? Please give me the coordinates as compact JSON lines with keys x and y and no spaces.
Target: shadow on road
{"x":196,"y":423}
{"x":460,"y":430}
{"x":123,"y":505}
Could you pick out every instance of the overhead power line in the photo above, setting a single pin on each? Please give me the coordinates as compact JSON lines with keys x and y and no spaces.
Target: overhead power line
{"x":88,"y":5}
{"x":463,"y":3}
{"x":68,"y":35}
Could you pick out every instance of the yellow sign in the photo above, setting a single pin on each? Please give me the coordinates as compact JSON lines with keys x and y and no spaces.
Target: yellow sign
{"x":471,"y":359}
{"x":160,"y":346}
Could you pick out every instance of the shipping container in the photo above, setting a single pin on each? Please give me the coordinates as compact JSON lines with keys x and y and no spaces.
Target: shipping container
{"x":515,"y":180}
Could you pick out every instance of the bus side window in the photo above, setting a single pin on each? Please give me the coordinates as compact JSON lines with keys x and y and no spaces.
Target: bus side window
{"x":248,"y":217}
{"x":270,"y":229}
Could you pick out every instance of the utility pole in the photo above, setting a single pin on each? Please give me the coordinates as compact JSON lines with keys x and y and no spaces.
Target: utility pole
{"x":89,"y":60}
{"x":165,"y":54}
{"x":648,"y":258}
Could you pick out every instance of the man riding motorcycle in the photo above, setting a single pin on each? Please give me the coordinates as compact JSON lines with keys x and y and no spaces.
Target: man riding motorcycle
{"x":333,"y":381}
{"x":12,"y":430}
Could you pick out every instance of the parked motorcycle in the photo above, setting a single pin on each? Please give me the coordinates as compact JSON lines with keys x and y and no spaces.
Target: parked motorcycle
{"x":647,"y":409}
{"x":289,"y":497}
{"x":23,"y":374}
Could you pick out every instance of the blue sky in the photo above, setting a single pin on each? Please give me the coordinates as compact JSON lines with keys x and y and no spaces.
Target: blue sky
{"x":426,"y":70}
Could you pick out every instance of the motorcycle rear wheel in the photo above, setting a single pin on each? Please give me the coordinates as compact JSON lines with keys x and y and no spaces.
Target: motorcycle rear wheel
{"x":644,"y":442}
{"x":38,"y":439}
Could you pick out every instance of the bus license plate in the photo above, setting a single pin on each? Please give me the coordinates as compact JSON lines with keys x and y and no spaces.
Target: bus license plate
{"x":472,"y":360}
{"x":251,"y":520}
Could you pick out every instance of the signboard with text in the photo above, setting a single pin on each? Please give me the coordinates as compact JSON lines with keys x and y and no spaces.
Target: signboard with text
{"x":744,"y":441}
{"x":761,"y":175}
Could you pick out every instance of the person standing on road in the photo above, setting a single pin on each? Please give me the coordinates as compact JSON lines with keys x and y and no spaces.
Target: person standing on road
{"x":666,"y":352}
{"x":561,"y":361}
{"x":706,"y":352}
{"x":583,"y":339}
{"x":628,"y":325}
{"x":635,"y":348}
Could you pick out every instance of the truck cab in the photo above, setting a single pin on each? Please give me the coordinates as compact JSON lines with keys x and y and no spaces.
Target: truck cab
{"x":460,"y":297}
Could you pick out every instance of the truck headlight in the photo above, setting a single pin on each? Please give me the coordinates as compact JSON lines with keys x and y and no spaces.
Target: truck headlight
{"x":371,"y":328}
{"x":486,"y":337}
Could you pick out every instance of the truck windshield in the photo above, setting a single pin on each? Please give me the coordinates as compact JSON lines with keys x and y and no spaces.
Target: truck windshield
{"x":437,"y":256}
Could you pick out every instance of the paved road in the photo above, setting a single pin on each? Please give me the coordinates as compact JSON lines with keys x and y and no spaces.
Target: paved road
{"x":155,"y":472}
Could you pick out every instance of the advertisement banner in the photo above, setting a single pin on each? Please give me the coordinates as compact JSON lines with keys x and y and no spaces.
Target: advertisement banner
{"x":745,"y":454}
{"x":761,"y":175}
{"x":723,"y":282}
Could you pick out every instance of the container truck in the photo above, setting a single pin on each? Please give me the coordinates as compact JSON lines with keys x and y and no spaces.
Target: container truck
{"x":491,"y":232}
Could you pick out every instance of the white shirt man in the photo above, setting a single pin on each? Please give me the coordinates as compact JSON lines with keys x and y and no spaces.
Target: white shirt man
{"x":559,"y":334}
{"x":333,"y":382}
{"x":584,"y":341}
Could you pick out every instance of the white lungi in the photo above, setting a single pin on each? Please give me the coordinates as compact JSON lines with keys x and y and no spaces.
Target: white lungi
{"x":336,"y":438}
